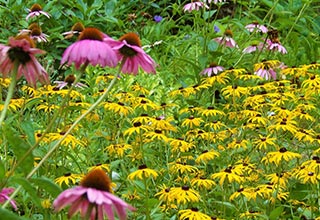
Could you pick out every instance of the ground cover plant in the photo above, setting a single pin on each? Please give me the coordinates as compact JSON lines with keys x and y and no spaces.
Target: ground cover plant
{"x":188,"y":110}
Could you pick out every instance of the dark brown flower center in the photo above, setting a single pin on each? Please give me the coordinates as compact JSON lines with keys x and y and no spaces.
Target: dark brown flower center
{"x":97,"y":179}
{"x":18,"y":54}
{"x":78,"y":27}
{"x":70,"y":79}
{"x":143,"y":166}
{"x":91,"y":34}
{"x":131,"y":39}
{"x":36,"y":7}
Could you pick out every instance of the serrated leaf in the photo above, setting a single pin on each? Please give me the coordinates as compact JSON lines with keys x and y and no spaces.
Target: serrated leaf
{"x":28,"y":188}
{"x":19,"y":147}
{"x":47,"y":185}
{"x":7,"y":215}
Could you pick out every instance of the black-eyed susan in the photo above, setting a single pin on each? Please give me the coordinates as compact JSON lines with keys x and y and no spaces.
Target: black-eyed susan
{"x":119,"y":108}
{"x":227,"y":176}
{"x":118,"y":149}
{"x":192,"y":214}
{"x":180,"y":145}
{"x":70,"y":140}
{"x":264,"y":142}
{"x":182,"y":168}
{"x":239,"y":144}
{"x":46,"y":107}
{"x":251,"y":215}
{"x":131,"y":196}
{"x":164,"y":194}
{"x":202,"y":183}
{"x":68,"y":178}
{"x":313,"y":82}
{"x":211,"y":111}
{"x":215,"y":80}
{"x":305,"y":135}
{"x":245,"y":192}
{"x":206,"y":156}
{"x":157,"y":134}
{"x":123,"y":97}
{"x":284,"y":124}
{"x":144,"y":103}
{"x":163,"y":123}
{"x":138,"y":88}
{"x":103,"y":166}
{"x":142,"y":173}
{"x":143,"y":119}
{"x":185,"y":92}
{"x":234,"y":91}
{"x":137,"y":128}
{"x":279,"y":156}
{"x":280,"y":179}
{"x":192,"y":122}
{"x":184,"y":195}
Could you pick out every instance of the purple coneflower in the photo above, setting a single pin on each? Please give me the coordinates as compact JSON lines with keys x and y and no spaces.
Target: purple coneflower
{"x":21,"y":51}
{"x":130,"y":53}
{"x":90,"y":49}
{"x":194,"y":6}
{"x":35,"y":33}
{"x":36,"y":10}
{"x":69,"y":81}
{"x":253,"y":47}
{"x":255,"y":26}
{"x":76,"y":29}
{"x":93,"y":199}
{"x":227,"y":39}
{"x":276,"y":46}
{"x":213,"y":68}
{"x":4,"y":196}
{"x":266,"y":73}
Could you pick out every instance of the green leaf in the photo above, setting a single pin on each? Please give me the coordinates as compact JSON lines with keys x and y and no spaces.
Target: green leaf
{"x":47,"y":185}
{"x":27,"y":127}
{"x":19,"y":147}
{"x":276,"y":213}
{"x":7,"y":215}
{"x":28,"y":188}
{"x":2,"y":170}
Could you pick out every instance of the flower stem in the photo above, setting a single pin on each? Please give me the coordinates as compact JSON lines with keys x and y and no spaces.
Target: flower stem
{"x":93,"y":106}
{"x":10,"y":91}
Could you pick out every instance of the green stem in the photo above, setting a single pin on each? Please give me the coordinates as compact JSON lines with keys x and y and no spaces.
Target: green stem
{"x":10,"y":91}
{"x":93,"y":106}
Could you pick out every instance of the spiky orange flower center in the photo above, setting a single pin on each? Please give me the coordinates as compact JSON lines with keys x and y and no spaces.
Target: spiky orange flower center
{"x":70,"y":79}
{"x":35,"y":29}
{"x":213,"y":64}
{"x":97,"y":179}
{"x":78,"y":27}
{"x":36,"y":7}
{"x":18,"y":53}
{"x":228,"y":33}
{"x":131,"y":39}
{"x":91,"y":34}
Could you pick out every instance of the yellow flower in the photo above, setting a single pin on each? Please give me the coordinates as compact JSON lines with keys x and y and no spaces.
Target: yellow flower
{"x":156,"y":135}
{"x":313,"y":82}
{"x":118,"y":149}
{"x":180,"y":145}
{"x":279,"y":179}
{"x":68,"y":178}
{"x":137,"y":128}
{"x":202,"y":183}
{"x":5,"y":82}
{"x":176,"y":167}
{"x":46,"y":203}
{"x":191,"y":122}
{"x":185,"y":92}
{"x":215,"y":80}
{"x":192,"y":214}
{"x":165,"y":194}
{"x":227,"y":175}
{"x":277,"y":157}
{"x":144,"y":103}
{"x":206,"y":156}
{"x":264,"y":142}
{"x":215,"y":125}
{"x":246,"y":192}
{"x":234,"y":91}
{"x":119,"y":108}
{"x":238,"y":144}
{"x":284,"y":124}
{"x":47,"y":107}
{"x":142,"y":172}
{"x":211,"y":111}
{"x":184,"y":194}
{"x":132,"y":195}
{"x":103,"y":166}
{"x":141,"y":89}
{"x":162,"y":123}
{"x":143,"y":119}
{"x":69,"y":140}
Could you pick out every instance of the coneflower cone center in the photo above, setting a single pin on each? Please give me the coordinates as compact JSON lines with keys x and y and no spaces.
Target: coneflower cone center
{"x":70,"y":79}
{"x":97,"y":179}
{"x":91,"y":34}
{"x":131,"y":39}
{"x":17,"y":53}
{"x":36,"y":7}
{"x":127,"y":51}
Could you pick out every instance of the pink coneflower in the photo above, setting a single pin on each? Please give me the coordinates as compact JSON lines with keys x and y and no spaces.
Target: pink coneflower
{"x":227,"y":39}
{"x":93,"y":198}
{"x":129,"y":51}
{"x":21,"y":51}
{"x":276,"y":46}
{"x":253,"y":47}
{"x":213,"y":68}
{"x":194,"y":6}
{"x":69,"y":81}
{"x":76,"y":29}
{"x":90,"y":49}
{"x":255,"y":26}
{"x":36,"y":10}
{"x":266,"y":73}
{"x":35,"y":33}
{"x":4,"y":196}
